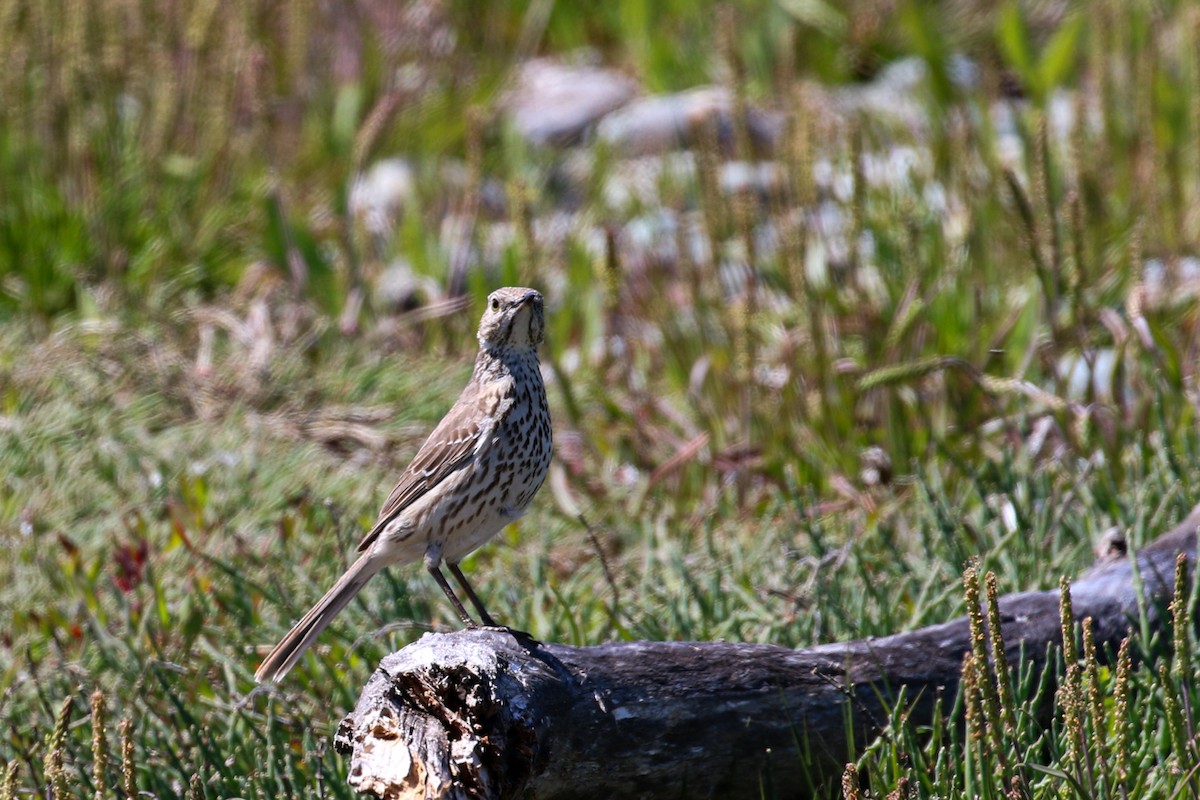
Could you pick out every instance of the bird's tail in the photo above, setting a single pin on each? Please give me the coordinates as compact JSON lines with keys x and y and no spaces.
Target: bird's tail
{"x":300,"y":638}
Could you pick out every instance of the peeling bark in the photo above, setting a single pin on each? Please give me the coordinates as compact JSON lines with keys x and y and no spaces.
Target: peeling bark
{"x":492,"y":714}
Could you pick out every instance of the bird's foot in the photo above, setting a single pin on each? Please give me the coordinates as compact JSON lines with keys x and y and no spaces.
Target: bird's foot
{"x":524,"y":637}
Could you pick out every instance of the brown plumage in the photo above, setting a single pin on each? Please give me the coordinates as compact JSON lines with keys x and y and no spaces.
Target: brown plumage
{"x":477,"y":472}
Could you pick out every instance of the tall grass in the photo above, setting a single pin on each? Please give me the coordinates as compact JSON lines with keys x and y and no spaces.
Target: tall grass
{"x":1116,"y":725}
{"x":771,"y":444}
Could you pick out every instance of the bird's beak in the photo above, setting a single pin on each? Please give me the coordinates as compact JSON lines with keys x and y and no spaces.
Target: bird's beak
{"x":529,"y":296}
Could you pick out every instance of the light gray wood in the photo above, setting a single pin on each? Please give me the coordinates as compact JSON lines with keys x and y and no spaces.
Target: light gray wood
{"x":485,"y":714}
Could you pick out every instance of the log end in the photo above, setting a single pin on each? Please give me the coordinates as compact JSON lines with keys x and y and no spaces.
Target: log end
{"x":434,"y":721}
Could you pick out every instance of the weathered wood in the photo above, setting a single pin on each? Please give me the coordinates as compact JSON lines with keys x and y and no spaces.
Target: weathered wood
{"x":486,"y":714}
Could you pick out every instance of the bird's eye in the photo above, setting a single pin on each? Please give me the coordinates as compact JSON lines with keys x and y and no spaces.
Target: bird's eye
{"x":495,"y":304}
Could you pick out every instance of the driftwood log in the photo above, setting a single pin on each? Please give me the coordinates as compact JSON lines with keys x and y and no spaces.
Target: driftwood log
{"x":489,"y":714}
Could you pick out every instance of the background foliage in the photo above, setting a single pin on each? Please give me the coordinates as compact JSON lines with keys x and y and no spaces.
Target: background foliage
{"x":203,"y":397}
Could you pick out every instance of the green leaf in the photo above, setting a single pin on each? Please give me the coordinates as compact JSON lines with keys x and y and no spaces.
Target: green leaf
{"x":1012,"y":35}
{"x":1061,"y":53}
{"x":927,"y":37}
{"x":347,"y":111}
{"x":1170,"y":109}
{"x":816,"y":14}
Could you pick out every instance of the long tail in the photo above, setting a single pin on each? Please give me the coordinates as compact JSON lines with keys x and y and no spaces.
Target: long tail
{"x":300,"y":638}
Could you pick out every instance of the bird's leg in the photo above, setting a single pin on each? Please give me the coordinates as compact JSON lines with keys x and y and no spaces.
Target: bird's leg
{"x":526,"y":640}
{"x":474,"y":598}
{"x":458,"y":606}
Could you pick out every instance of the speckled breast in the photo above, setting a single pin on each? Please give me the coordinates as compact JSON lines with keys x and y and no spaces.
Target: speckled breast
{"x":528,"y":441}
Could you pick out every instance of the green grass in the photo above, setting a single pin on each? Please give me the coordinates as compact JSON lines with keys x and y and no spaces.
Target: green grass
{"x":194,"y":433}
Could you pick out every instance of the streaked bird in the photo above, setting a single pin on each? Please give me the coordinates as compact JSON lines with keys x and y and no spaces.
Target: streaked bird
{"x":477,"y":472}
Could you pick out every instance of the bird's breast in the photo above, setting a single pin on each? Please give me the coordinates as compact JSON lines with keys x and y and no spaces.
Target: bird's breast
{"x":524,"y":442}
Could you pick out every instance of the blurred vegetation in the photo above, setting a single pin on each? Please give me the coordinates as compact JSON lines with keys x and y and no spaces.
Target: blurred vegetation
{"x":203,"y":402}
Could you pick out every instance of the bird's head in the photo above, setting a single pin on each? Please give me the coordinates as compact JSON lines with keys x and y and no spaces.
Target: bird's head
{"x":513,"y":318}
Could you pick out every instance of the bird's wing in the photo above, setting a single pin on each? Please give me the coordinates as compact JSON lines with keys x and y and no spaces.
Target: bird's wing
{"x":448,"y":449}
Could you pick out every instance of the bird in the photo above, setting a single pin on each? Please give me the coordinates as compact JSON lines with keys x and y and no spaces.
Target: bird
{"x":477,"y":472}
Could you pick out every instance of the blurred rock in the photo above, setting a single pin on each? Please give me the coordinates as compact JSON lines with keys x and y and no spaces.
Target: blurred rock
{"x":1064,"y":109}
{"x":1169,"y":282}
{"x":553,"y":104}
{"x":901,"y":168}
{"x":677,"y":121}
{"x":400,"y":288}
{"x":764,"y":179}
{"x":492,"y":198}
{"x":379,"y":195}
{"x":829,"y":228}
{"x":655,"y":239}
{"x":637,"y":183}
{"x":471,"y":244}
{"x":898,"y":94}
{"x":876,"y":467}
{"x":1090,"y":375}
{"x":1111,"y":546}
{"x":671,"y":178}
